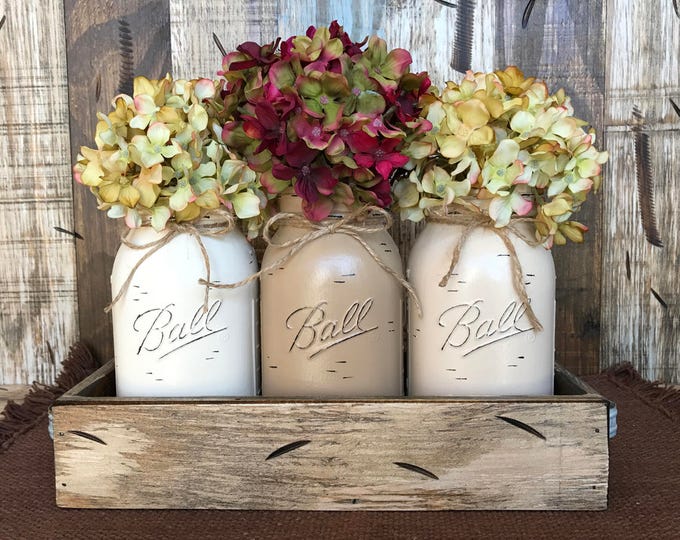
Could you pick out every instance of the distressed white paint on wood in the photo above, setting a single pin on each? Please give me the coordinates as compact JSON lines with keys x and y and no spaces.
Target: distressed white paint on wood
{"x":38,"y":306}
{"x":427,"y":29}
{"x":639,"y":328}
{"x":212,"y":453}
{"x":643,"y":61}
{"x":194,"y":54}
{"x":643,"y":46}
{"x":359,"y":19}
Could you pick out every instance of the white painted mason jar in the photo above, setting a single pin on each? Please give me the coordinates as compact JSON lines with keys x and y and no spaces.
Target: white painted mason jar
{"x":331,"y":316}
{"x":165,"y":344}
{"x":474,"y":337}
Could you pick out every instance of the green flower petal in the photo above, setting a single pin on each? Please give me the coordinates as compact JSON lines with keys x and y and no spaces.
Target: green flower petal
{"x":451,"y":146}
{"x":129,"y":196}
{"x":505,"y":154}
{"x":92,"y":175}
{"x":473,"y":113}
{"x":158,"y":133}
{"x":198,"y":117}
{"x":109,"y":192}
{"x":370,"y":103}
{"x":246,"y":204}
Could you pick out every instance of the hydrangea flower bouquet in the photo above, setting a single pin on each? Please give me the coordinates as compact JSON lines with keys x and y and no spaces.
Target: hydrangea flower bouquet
{"x":157,"y":158}
{"x":323,"y":114}
{"x":502,"y":144}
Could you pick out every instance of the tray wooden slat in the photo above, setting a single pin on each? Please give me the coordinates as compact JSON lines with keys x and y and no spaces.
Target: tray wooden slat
{"x":381,"y":454}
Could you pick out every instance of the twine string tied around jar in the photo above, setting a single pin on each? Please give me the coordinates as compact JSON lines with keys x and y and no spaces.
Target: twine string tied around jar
{"x":365,"y":220}
{"x":217,"y":223}
{"x":471,"y":220}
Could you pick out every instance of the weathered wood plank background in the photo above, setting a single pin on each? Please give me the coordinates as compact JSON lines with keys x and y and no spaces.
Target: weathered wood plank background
{"x":617,"y":293}
{"x":38,"y":304}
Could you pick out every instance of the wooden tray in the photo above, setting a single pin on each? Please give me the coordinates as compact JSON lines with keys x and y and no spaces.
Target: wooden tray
{"x":528,"y":453}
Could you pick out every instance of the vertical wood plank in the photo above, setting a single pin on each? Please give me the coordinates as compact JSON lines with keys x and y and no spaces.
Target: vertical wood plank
{"x":564,"y":44}
{"x":38,"y":304}
{"x":194,"y":54}
{"x":106,"y":44}
{"x":429,"y":31}
{"x":643,"y":70}
{"x":359,"y":19}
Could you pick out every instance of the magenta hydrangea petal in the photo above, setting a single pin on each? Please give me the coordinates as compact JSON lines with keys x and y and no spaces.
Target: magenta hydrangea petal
{"x":384,"y":168}
{"x":318,"y":209}
{"x":324,"y":180}
{"x":306,"y":190}
{"x":364,"y":160}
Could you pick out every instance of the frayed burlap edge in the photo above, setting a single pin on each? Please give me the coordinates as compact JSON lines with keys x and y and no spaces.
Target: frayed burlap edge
{"x":664,"y":398}
{"x":21,"y":417}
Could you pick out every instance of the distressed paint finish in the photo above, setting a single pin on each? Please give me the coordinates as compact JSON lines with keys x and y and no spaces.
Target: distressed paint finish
{"x":639,"y":327}
{"x":564,"y":45}
{"x":643,"y":70}
{"x":106,"y":44}
{"x":609,"y":54}
{"x":412,"y":454}
{"x":38,"y":304}
{"x":194,"y":54}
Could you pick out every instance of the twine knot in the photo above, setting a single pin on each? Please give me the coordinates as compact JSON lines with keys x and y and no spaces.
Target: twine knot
{"x":471,"y":220}
{"x":215,"y":224}
{"x":364,"y":220}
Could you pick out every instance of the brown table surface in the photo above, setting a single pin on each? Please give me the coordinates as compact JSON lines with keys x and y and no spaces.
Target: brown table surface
{"x":644,"y":494}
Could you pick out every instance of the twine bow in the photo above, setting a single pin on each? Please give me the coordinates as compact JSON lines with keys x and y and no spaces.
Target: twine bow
{"x":365,"y":220}
{"x":472,"y":220}
{"x":221,"y":222}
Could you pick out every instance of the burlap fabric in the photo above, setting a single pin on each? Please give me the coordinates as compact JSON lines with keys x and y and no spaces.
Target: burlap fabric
{"x":644,"y":499}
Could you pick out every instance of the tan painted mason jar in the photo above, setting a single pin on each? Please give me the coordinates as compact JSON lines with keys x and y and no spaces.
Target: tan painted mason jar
{"x":331,"y":317}
{"x":475,"y":337}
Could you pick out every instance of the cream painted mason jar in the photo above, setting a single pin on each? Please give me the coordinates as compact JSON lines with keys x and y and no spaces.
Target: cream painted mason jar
{"x":165,"y":343}
{"x":474,"y":337}
{"x":331,"y":316}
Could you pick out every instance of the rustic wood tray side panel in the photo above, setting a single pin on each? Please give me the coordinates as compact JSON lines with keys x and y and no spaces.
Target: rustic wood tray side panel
{"x":453,"y":456}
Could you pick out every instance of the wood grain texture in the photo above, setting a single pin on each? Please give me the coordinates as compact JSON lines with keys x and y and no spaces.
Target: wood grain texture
{"x":564,"y":45}
{"x":38,"y":305}
{"x":642,"y":327}
{"x":192,"y":23}
{"x":641,"y":290}
{"x":106,"y":43}
{"x":258,"y":453}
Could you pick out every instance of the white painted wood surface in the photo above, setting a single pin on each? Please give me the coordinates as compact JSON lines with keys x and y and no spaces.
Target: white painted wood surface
{"x":38,"y":307}
{"x":643,"y":59}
